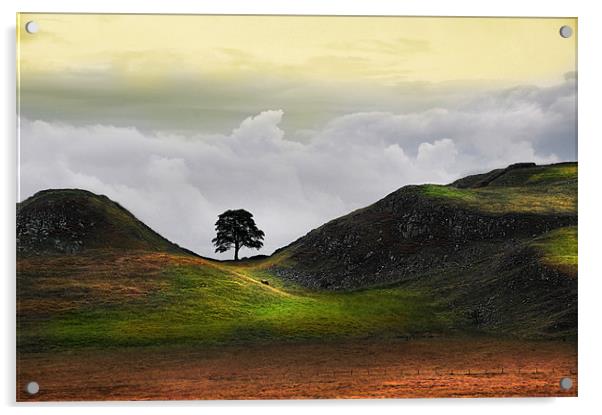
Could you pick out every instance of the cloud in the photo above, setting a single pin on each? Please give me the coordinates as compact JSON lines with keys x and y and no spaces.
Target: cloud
{"x":189,"y":103}
{"x":179,"y":183}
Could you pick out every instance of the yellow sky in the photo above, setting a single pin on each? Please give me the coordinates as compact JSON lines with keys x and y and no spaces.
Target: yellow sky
{"x":369,"y":49}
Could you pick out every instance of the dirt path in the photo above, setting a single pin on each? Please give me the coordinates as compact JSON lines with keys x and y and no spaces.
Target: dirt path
{"x":249,"y":279}
{"x":366,"y":369}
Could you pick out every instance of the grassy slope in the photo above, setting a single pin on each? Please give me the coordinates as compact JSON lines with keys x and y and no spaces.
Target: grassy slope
{"x":108,"y":298}
{"x":157,"y":299}
{"x":537,"y":190}
{"x":180,"y":299}
{"x":541,"y":190}
{"x":558,"y":249}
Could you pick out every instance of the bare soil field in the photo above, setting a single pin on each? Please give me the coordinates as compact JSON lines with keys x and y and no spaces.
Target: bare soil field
{"x":359,"y":369}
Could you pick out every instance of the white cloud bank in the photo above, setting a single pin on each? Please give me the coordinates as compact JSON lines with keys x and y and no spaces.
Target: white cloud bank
{"x":179,"y":184}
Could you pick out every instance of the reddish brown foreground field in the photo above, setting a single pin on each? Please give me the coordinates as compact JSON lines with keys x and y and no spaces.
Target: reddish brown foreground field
{"x":361,"y":369}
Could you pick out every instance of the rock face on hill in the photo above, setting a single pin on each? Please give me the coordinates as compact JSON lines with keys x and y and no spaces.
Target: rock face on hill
{"x":474,"y":256}
{"x":409,"y":232}
{"x":71,"y":221}
{"x":403,"y":234}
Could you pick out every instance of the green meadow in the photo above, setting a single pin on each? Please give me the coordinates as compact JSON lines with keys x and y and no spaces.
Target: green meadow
{"x":213,"y":303}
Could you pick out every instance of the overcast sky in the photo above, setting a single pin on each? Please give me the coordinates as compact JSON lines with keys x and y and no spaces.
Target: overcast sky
{"x":295,"y":150}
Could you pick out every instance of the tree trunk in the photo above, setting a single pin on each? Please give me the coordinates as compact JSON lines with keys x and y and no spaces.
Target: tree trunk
{"x":236,"y":248}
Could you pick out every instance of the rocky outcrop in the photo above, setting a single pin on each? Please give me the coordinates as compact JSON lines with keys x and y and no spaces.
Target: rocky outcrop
{"x":51,"y":230}
{"x":69,"y":221}
{"x":402,"y":235}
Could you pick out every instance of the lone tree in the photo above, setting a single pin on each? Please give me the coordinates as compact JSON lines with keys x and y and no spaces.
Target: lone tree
{"x":236,"y":228}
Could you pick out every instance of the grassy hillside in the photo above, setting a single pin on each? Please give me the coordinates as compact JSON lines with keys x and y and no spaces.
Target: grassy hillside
{"x":493,"y":253}
{"x":107,"y":298}
{"x":143,"y":298}
{"x":558,"y":249}
{"x":539,"y":189}
{"x":499,"y":248}
{"x":418,"y":228}
{"x":521,"y":174}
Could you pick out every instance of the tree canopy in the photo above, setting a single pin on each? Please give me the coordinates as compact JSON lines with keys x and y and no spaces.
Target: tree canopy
{"x":235,"y":229}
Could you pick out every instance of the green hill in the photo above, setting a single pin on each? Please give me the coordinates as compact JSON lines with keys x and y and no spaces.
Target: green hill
{"x":423,"y":228}
{"x":482,"y":244}
{"x":494,"y":253}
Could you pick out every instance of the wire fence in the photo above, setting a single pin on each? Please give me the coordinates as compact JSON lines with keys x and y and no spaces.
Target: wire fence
{"x":392,"y":373}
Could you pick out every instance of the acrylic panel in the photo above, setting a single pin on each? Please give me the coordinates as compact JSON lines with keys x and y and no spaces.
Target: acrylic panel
{"x":295,"y":207}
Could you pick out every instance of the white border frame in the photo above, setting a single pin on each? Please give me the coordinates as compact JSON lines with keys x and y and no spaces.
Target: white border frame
{"x":590,"y":287}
